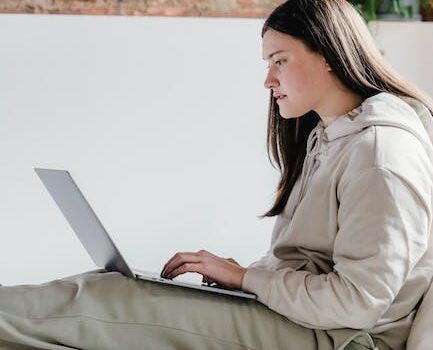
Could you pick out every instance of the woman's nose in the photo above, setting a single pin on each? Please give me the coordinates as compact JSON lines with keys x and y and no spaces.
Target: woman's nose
{"x":270,"y":81}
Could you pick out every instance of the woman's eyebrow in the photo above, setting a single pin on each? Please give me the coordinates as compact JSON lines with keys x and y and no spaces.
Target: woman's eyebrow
{"x":272,"y":54}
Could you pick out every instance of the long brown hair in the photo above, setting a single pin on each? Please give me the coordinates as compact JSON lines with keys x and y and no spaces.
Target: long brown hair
{"x":334,"y":29}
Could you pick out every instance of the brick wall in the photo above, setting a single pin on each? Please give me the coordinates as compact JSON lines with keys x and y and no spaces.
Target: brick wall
{"x":209,"y":8}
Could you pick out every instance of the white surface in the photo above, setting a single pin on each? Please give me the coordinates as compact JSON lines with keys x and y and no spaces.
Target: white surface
{"x":408,"y":46}
{"x":161,"y":122}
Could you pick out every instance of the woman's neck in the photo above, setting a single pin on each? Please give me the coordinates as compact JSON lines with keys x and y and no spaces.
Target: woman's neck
{"x":337,"y":103}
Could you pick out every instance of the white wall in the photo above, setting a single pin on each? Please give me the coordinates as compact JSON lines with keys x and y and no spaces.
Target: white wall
{"x":408,"y":46}
{"x":162,"y":123}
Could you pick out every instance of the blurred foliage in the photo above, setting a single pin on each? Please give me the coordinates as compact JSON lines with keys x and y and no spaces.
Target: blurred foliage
{"x":370,"y":9}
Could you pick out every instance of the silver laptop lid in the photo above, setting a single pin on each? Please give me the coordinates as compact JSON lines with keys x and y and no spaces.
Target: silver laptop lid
{"x":83,"y":220}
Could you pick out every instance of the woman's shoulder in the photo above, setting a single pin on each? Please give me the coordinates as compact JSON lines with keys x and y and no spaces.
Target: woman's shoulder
{"x":390,"y":135}
{"x":387,"y":155}
{"x":388,"y":147}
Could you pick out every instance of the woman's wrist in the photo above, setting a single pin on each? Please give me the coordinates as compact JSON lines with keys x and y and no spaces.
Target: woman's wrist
{"x":241,"y":274}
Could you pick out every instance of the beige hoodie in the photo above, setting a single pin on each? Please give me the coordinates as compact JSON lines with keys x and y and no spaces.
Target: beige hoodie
{"x":350,"y":248}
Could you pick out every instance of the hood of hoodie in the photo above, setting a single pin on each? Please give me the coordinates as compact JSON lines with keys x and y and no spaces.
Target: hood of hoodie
{"x":381,"y":109}
{"x":384,"y":109}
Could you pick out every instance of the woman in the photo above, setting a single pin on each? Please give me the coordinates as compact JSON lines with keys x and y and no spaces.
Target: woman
{"x":349,"y":259}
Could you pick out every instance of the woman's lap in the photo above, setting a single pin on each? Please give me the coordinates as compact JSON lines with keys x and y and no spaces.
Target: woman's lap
{"x":108,"y":311}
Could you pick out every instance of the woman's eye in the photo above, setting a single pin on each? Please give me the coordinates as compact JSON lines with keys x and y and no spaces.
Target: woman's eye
{"x":277,"y":63}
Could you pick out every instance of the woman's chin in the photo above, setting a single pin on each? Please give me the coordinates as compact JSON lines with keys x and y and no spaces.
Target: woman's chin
{"x":289,"y":115}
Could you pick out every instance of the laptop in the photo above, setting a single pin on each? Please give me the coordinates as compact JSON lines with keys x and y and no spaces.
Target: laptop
{"x":96,"y":239}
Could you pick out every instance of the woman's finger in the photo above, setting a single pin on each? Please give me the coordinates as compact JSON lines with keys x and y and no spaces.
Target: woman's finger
{"x":184,"y":268}
{"x":225,"y":272}
{"x":179,"y":259}
{"x":208,"y":280}
{"x":169,"y":262}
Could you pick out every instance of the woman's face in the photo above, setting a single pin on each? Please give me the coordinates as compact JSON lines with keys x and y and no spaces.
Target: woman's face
{"x":298,"y":77}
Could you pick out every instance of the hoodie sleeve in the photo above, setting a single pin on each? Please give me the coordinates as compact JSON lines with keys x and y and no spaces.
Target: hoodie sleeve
{"x":384,"y":224}
{"x":262,"y":263}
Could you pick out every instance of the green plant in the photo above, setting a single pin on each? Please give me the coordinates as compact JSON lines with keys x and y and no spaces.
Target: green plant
{"x":426,"y":3}
{"x":367,"y":8}
{"x":426,"y":9}
{"x":370,"y":9}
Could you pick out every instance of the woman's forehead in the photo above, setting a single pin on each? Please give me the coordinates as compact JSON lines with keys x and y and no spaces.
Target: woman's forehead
{"x":275,"y":42}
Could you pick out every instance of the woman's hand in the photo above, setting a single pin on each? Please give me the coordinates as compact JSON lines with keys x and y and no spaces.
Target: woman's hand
{"x":226,"y":272}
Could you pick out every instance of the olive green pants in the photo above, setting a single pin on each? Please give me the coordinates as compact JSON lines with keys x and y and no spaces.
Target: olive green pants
{"x":95,"y":311}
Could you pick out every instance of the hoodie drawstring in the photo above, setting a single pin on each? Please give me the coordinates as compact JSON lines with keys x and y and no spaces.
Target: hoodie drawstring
{"x":314,"y":144}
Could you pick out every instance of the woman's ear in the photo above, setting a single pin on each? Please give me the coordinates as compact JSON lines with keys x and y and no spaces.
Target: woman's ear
{"x":327,"y":66}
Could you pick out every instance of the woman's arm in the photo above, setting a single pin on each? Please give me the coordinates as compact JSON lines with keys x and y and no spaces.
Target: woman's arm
{"x":384,"y":225}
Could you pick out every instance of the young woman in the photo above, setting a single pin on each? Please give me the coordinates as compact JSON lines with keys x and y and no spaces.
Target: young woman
{"x":350,"y":256}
